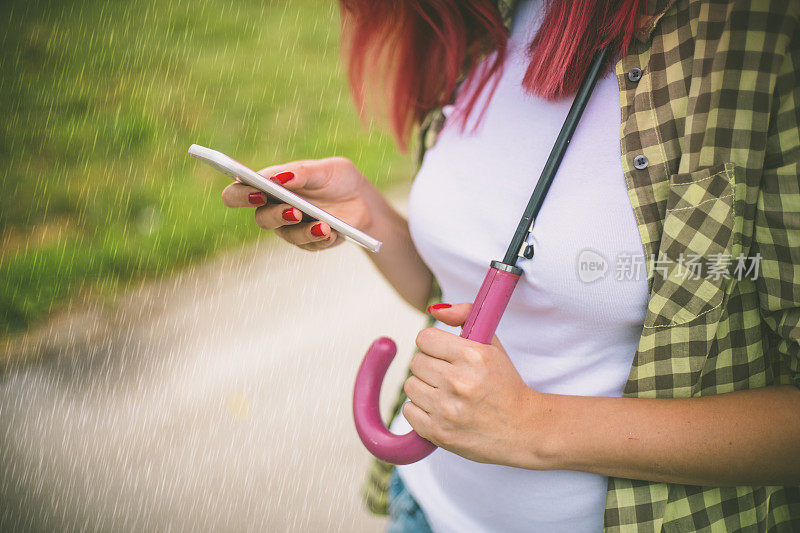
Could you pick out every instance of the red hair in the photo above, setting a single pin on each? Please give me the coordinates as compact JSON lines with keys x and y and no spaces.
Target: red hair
{"x":415,"y":51}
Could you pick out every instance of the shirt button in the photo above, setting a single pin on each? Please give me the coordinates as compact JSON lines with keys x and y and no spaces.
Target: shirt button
{"x":640,"y":162}
{"x":635,"y":74}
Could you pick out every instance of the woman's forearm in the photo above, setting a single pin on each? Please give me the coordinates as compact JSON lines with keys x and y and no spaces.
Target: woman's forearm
{"x":741,"y":438}
{"x":398,"y":259}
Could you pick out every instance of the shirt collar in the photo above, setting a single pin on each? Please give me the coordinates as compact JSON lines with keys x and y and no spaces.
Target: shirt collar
{"x":652,"y":12}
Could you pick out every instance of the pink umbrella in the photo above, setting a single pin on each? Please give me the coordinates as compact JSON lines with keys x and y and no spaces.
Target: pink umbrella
{"x":487,"y":310}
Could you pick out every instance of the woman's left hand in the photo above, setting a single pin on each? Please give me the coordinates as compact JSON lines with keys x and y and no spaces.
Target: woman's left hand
{"x":468,"y":398}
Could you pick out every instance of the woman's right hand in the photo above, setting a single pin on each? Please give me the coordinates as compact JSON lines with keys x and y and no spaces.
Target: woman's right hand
{"x":333,"y":184}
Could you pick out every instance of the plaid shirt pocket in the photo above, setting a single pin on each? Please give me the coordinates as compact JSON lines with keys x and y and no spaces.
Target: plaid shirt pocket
{"x":690,"y":273}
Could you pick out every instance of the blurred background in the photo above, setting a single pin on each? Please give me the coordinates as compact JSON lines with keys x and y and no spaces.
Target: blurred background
{"x":164,"y":364}
{"x":101,"y":100}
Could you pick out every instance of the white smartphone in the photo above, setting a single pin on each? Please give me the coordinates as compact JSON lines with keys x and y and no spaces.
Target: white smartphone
{"x":231,"y":167}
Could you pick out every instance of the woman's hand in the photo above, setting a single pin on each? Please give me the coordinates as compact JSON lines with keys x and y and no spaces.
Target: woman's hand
{"x":334,"y":184}
{"x":468,"y":398}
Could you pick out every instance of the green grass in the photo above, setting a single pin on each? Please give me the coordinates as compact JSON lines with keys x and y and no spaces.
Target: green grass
{"x":100,"y":101}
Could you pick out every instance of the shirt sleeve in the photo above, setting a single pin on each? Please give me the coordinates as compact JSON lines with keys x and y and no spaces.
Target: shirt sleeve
{"x":777,"y":219}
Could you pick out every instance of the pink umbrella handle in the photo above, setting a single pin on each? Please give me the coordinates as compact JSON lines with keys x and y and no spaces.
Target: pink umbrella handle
{"x":492,"y":299}
{"x":491,"y":303}
{"x":383,"y":444}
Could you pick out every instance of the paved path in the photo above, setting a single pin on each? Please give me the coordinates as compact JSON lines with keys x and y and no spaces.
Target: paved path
{"x":215,"y":401}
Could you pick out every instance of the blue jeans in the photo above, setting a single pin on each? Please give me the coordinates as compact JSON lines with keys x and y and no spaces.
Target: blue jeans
{"x":405,"y":514}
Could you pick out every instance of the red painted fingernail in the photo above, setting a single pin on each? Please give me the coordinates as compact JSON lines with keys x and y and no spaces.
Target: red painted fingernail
{"x":288,"y":214}
{"x":316,"y":230}
{"x":283,"y":177}
{"x":439,"y":306}
{"x":256,"y":198}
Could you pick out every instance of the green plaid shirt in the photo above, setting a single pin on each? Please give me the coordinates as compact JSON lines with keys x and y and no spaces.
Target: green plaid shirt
{"x":710,"y":142}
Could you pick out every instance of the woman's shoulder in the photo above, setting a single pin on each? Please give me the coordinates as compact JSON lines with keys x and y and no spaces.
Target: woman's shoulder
{"x":752,"y":6}
{"x":719,"y":27}
{"x":773,"y":17}
{"x":735,"y":55}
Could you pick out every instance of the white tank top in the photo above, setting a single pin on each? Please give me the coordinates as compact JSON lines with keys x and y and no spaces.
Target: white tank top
{"x":571,"y":326}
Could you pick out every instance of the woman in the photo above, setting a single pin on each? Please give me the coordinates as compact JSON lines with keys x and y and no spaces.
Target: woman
{"x":645,"y":375}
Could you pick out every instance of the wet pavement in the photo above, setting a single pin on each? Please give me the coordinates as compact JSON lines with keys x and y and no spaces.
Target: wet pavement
{"x":218,"y":400}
